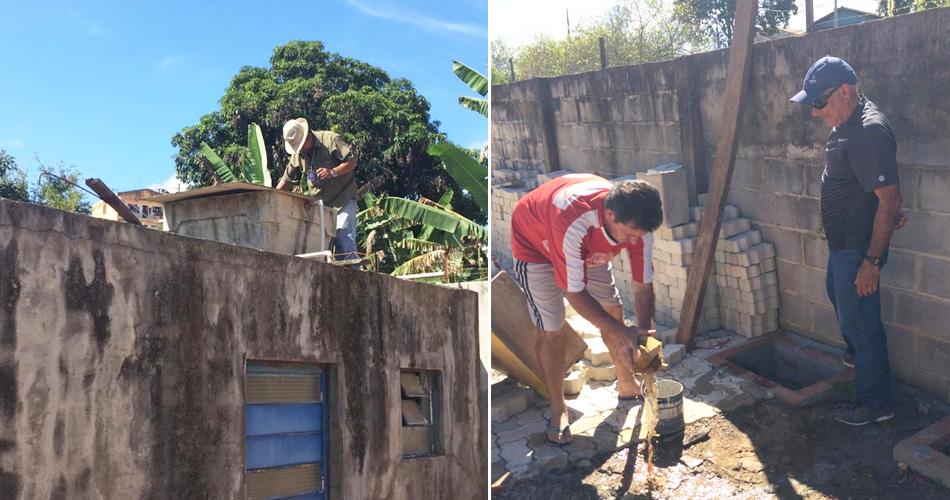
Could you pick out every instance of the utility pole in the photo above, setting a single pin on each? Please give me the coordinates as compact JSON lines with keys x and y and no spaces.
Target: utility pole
{"x":836,"y":13}
{"x":568,"y":14}
{"x":603,"y":54}
{"x":511,"y":66}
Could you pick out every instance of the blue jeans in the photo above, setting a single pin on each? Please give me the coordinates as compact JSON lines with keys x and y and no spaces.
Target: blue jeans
{"x":345,"y":241}
{"x":860,"y":321}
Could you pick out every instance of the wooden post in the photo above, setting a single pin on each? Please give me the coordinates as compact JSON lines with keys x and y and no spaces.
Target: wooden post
{"x":809,"y":14}
{"x":511,"y":66}
{"x":106,"y":195}
{"x":603,"y":54}
{"x":737,"y":80}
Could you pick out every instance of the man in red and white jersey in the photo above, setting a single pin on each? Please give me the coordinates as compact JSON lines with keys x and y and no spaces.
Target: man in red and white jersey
{"x":564,"y":235}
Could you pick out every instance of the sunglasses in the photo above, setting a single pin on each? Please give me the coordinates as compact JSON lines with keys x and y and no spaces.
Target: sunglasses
{"x":822,"y":101}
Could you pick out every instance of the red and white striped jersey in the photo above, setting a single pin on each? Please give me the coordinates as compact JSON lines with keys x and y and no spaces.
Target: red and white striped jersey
{"x":562,"y":223}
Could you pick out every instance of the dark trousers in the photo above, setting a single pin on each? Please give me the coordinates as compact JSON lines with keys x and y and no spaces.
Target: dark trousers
{"x":860,"y":321}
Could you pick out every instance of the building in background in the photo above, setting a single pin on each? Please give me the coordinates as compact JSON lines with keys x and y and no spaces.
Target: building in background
{"x":151,"y":213}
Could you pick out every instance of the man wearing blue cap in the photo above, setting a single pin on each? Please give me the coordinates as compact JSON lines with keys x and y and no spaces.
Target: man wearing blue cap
{"x":860,"y":209}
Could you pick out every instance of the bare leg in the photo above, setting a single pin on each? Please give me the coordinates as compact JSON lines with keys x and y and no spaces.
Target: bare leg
{"x":550,"y":356}
{"x":627,"y":385}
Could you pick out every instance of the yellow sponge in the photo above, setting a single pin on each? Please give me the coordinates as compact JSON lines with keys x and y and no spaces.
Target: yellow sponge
{"x":651,"y":355}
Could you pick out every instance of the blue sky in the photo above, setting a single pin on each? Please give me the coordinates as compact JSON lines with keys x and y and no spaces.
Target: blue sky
{"x":103,"y":85}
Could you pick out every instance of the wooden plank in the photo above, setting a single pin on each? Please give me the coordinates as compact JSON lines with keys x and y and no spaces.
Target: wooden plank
{"x":737,"y":80}
{"x":512,"y":326}
{"x":106,"y":195}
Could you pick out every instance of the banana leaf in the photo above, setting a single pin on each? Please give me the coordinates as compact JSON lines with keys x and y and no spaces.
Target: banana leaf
{"x":479,"y":106}
{"x":446,"y":199}
{"x":468,"y":173}
{"x":418,"y":245}
{"x":420,"y":213}
{"x":421,"y":264}
{"x":224,"y":173}
{"x":472,"y":78}
{"x":257,"y":166}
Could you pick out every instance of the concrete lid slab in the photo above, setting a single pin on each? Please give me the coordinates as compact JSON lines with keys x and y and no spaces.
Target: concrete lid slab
{"x":227,"y":188}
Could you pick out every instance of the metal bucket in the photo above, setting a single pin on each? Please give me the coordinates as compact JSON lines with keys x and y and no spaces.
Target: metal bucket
{"x":672,"y":423}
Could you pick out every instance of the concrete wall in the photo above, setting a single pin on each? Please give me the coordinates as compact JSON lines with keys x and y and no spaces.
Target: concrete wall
{"x":122,"y":354}
{"x":626,"y":119}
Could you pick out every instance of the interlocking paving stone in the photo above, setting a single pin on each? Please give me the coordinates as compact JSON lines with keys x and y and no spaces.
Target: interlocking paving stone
{"x":694,"y":411}
{"x":582,"y":448}
{"x":507,"y":425}
{"x":549,"y":457}
{"x":522,"y":431}
{"x":516,"y":453}
{"x":530,"y":415}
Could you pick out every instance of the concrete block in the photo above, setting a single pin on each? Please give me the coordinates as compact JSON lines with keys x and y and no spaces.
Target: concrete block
{"x":667,"y":336}
{"x":815,"y":252}
{"x":900,"y":269}
{"x":696,"y":214}
{"x":670,"y":180}
{"x":756,"y":254}
{"x":606,"y":373}
{"x":597,"y":352}
{"x":933,"y":276}
{"x":511,"y":402}
{"x":575,"y":381}
{"x":733,"y":227}
{"x":784,"y":178}
{"x":758,"y":282}
{"x":702,"y":200}
{"x":742,"y":241}
{"x":673,"y":353}
{"x":730,"y":212}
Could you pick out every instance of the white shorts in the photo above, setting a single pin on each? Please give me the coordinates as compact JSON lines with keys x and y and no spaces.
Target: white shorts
{"x":546,"y":300}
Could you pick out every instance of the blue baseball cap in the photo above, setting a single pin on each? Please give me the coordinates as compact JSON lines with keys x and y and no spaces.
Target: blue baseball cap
{"x":827,"y":72}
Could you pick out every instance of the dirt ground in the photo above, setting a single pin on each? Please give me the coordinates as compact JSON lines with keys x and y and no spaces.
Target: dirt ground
{"x":769,"y":450}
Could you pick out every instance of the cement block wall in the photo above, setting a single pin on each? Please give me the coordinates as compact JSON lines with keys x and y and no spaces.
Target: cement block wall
{"x":778,"y":168}
{"x":122,"y":354}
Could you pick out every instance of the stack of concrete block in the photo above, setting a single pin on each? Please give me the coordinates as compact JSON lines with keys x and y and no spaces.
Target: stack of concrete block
{"x":745,"y":273}
{"x":670,"y":180}
{"x":503,"y":202}
{"x":506,"y":177}
{"x":672,"y":260}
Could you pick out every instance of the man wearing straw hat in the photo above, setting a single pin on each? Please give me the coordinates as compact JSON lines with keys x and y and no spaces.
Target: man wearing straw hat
{"x":322,"y":162}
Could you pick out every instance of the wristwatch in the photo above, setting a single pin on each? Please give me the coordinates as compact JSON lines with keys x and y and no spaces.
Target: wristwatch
{"x":875,"y":261}
{"x":333,"y":173}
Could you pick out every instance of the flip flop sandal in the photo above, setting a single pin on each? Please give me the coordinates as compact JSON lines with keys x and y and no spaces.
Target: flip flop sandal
{"x":564,"y":433}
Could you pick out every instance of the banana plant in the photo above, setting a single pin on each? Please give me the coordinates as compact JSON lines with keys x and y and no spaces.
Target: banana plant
{"x":477,"y":82}
{"x":409,"y":237}
{"x":253,"y":166}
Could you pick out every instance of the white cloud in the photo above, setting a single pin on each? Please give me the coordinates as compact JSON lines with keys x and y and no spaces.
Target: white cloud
{"x":13,"y":143}
{"x":172,"y":185}
{"x":420,"y":21}
{"x":168,"y":62}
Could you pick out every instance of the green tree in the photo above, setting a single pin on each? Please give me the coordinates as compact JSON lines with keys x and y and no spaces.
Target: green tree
{"x":57,"y":188}
{"x":717,"y":17}
{"x":634,"y":32}
{"x":500,"y":55}
{"x":897,"y":7}
{"x":13,"y":185}
{"x":385,"y":120}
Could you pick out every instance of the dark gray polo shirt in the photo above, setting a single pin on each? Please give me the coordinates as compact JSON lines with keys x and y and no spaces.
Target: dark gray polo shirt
{"x":861,"y":156}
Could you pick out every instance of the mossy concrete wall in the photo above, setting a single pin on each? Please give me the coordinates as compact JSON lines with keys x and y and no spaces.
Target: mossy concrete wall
{"x":122,"y":354}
